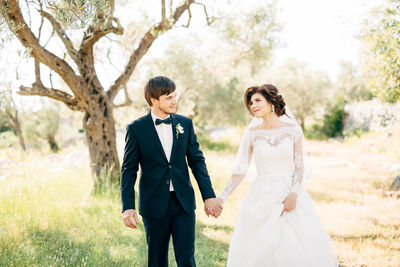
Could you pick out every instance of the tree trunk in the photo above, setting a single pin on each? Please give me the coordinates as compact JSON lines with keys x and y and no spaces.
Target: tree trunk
{"x":101,"y":139}
{"x":53,"y":143}
{"x":21,"y":139}
{"x":17,"y":128}
{"x":88,"y":95}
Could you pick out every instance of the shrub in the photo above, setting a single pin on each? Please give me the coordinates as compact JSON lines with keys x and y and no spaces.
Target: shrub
{"x":332,"y":122}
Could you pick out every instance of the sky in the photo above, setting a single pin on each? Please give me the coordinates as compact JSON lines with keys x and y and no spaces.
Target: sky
{"x":322,"y":33}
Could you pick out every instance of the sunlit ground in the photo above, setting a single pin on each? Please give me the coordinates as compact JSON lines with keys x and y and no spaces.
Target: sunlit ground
{"x":48,"y":216}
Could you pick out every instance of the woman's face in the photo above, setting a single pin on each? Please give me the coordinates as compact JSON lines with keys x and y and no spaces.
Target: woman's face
{"x":260,"y":106}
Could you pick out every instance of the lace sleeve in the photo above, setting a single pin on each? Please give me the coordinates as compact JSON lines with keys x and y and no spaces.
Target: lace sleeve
{"x":299,"y":161}
{"x":239,"y":171}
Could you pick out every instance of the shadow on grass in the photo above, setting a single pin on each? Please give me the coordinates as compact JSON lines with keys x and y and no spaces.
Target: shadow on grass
{"x":100,"y":240}
{"x":209,"y":251}
{"x":47,"y":247}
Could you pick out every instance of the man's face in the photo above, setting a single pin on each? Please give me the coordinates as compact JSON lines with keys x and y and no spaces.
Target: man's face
{"x":166,"y":103}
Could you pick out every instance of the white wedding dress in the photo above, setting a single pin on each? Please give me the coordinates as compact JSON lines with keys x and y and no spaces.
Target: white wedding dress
{"x":263,"y":238}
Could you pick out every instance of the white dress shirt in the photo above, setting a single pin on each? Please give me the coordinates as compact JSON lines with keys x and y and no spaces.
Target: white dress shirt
{"x":164,"y":132}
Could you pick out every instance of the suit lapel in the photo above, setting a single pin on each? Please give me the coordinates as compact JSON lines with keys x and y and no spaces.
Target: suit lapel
{"x":174,"y":139}
{"x":153,"y":132}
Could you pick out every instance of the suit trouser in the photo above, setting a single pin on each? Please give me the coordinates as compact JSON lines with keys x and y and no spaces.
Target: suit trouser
{"x":181,"y":226}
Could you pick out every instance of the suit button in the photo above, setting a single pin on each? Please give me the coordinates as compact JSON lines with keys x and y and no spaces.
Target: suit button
{"x":169,"y":166}
{"x":168,"y":182}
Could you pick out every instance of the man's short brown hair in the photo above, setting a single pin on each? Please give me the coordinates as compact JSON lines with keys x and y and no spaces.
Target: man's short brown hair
{"x":158,"y":86}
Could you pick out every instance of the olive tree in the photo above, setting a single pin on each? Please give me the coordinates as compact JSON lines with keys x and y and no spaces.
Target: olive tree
{"x":88,"y":22}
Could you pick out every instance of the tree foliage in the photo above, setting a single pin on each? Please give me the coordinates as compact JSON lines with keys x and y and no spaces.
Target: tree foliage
{"x":206,"y":94}
{"x":252,"y":34}
{"x":382,"y":39}
{"x":213,"y":70}
{"x":9,"y":118}
{"x":79,"y":25}
{"x":351,"y":83}
{"x":305,"y":90}
{"x":43,"y":124}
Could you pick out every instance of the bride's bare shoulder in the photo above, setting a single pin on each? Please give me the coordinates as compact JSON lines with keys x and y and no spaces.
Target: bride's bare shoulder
{"x":282,"y":125}
{"x":255,"y":128}
{"x":287,"y":124}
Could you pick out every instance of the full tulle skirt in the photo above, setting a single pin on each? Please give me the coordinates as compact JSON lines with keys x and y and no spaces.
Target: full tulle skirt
{"x":263,"y":238}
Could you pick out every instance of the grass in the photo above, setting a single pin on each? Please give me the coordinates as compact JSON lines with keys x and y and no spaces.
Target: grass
{"x":48,"y":216}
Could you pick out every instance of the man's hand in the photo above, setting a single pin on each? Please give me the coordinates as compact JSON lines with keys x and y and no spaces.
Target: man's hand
{"x":213,"y":207}
{"x":289,"y":202}
{"x":130,"y":218}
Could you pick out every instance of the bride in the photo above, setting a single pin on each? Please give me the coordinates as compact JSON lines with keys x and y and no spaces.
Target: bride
{"x":277,"y":225}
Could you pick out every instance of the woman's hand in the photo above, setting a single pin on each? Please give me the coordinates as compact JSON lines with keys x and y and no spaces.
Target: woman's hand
{"x":289,"y":202}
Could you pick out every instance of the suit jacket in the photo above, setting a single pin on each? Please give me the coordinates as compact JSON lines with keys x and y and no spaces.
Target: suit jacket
{"x":142,"y":146}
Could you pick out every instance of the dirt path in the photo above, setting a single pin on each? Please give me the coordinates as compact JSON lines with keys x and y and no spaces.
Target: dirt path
{"x":349,"y":178}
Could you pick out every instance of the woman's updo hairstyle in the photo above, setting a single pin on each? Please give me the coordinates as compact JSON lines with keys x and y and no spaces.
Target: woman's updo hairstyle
{"x":270,"y":93}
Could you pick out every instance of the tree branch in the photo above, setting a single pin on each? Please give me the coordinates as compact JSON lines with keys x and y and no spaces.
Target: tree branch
{"x":101,"y":26}
{"x":61,"y":34}
{"x":163,"y":16}
{"x":127,"y":102}
{"x":112,"y":7}
{"x":189,"y":19}
{"x":40,"y":90}
{"x":210,"y":20}
{"x":41,"y":25}
{"x":28,"y":40}
{"x":48,"y":40}
{"x":37,"y":63}
{"x":29,"y":13}
{"x":37,"y":72}
{"x":144,"y":46}
{"x":93,"y":34}
{"x":12,"y":118}
{"x":170,"y":6}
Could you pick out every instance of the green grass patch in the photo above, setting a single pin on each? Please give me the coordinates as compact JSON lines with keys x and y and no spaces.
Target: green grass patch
{"x":51,"y":216}
{"x":222,"y":145}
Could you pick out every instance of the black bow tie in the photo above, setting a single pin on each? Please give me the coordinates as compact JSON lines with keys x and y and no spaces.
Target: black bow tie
{"x":166,"y":121}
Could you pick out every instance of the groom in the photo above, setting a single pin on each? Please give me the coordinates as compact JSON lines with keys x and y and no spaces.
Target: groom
{"x":161,"y":142}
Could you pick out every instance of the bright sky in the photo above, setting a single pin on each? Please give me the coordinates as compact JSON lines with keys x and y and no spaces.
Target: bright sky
{"x":322,"y":32}
{"x":319,"y":32}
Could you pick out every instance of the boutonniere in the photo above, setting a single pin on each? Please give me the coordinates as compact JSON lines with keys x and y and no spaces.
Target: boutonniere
{"x":179,"y":130}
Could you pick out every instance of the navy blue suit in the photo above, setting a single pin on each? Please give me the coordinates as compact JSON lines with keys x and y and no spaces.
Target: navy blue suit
{"x":164,"y":213}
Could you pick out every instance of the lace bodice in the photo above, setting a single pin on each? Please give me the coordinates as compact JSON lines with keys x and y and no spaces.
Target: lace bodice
{"x":277,"y":152}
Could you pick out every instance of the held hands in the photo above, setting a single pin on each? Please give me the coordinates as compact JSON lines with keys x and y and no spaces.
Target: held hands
{"x":130,"y":218}
{"x":213,"y":207}
{"x":289,"y":202}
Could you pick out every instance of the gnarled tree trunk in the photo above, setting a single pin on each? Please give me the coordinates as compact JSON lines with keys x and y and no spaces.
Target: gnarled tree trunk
{"x":17,"y":128}
{"x":88,"y":94}
{"x":101,"y":141}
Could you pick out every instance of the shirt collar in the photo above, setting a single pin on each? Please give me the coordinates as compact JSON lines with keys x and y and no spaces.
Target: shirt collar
{"x":154,"y":117}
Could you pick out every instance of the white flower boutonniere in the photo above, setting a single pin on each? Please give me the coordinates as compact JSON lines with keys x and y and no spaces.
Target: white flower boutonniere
{"x":179,"y":130}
